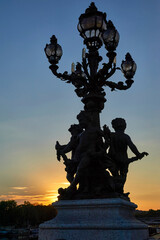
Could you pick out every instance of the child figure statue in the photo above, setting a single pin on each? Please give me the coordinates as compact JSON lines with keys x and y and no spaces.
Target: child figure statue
{"x":119,"y":142}
{"x":71,"y":165}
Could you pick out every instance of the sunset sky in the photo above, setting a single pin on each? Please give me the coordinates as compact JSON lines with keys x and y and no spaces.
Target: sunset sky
{"x":36,"y":108}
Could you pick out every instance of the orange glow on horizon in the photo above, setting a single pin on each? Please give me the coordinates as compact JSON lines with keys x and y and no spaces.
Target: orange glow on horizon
{"x":47,"y":200}
{"x":51,"y":196}
{"x":21,"y":194}
{"x":46,"y":185}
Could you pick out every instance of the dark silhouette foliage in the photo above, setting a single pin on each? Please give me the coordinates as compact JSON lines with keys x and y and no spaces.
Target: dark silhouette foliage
{"x":24,"y":215}
{"x":150,"y":213}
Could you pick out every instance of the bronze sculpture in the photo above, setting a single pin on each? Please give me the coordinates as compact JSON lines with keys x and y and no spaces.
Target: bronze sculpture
{"x":98,"y":156}
{"x":99,"y":163}
{"x":118,"y":152}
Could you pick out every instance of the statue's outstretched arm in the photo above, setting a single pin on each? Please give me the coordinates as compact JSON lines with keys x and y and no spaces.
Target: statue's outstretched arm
{"x":133,"y":147}
{"x":135,"y":150}
{"x":71,"y":145}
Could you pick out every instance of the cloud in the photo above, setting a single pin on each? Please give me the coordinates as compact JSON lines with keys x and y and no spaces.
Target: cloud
{"x":51,"y":191}
{"x":19,"y":188}
{"x":60,"y":183}
{"x":152,"y":197}
{"x":46,"y":198}
{"x":65,"y":183}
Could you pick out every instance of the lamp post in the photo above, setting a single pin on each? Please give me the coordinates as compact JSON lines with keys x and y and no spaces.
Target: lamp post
{"x":89,"y":82}
{"x":99,"y":163}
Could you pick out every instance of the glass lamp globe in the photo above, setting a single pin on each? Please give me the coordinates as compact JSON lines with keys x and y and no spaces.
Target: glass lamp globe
{"x":110,"y":37}
{"x":128,"y":67}
{"x":91,"y":25}
{"x":53,"y":51}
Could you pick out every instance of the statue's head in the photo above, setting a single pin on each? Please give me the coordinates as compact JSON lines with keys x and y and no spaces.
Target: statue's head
{"x":84,"y":119}
{"x":75,"y":129}
{"x":119,"y":124}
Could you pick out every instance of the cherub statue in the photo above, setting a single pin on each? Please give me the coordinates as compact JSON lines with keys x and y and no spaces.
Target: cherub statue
{"x":87,"y":154}
{"x":71,"y":164}
{"x":119,"y":142}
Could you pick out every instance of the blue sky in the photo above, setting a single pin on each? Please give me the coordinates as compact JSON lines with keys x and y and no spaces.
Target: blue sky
{"x":37,"y":108}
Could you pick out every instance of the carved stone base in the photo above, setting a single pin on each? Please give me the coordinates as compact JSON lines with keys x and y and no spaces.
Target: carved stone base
{"x":94,"y":219}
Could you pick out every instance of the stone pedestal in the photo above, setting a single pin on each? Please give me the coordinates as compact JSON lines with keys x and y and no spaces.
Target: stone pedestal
{"x":94,"y":219}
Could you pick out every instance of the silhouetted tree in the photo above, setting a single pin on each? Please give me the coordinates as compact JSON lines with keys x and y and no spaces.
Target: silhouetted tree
{"x":7,"y":212}
{"x":24,"y":215}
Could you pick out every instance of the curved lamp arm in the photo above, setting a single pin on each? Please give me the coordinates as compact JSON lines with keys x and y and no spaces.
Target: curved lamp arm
{"x":119,"y":85}
{"x":79,"y":82}
{"x":63,"y":76}
{"x":70,"y":78}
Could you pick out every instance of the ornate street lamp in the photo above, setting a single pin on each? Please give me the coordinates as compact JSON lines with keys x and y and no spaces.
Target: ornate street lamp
{"x":98,"y":166}
{"x":87,"y":79}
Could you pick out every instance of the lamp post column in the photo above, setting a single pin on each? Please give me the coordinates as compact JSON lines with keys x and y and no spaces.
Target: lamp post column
{"x":94,"y":104}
